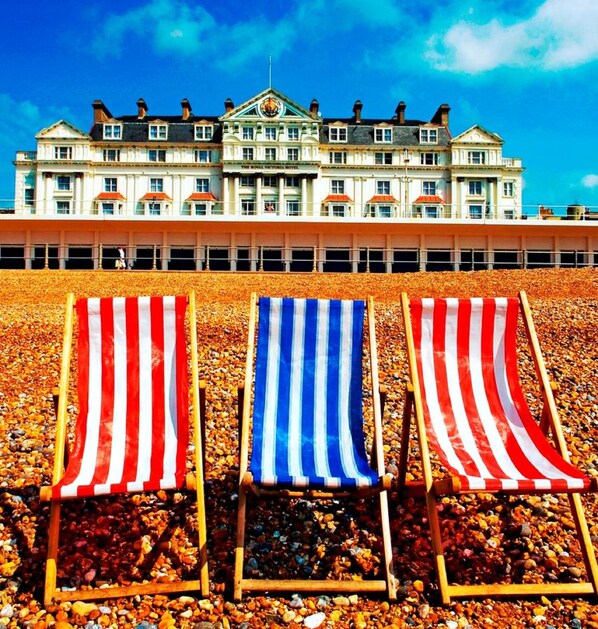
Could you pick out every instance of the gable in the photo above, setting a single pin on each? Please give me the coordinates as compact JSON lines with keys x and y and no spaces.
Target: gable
{"x":477,"y":135}
{"x":269,"y":105}
{"x":62,"y":130}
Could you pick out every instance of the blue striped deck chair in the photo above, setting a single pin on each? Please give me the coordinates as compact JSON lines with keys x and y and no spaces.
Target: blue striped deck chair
{"x":305,"y":420}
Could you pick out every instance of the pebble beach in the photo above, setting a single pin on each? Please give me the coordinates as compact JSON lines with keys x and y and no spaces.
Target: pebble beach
{"x":152,"y":536}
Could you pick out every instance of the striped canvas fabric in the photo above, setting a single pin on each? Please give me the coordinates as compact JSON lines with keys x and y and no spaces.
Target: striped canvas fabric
{"x":477,"y":419}
{"x":307,"y":424}
{"x":132,"y":429}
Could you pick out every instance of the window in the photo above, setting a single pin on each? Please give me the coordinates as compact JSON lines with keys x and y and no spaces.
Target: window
{"x":338,"y":134}
{"x":200,"y":209}
{"x":247,"y":181}
{"x":292,"y":208}
{"x":428,"y":136}
{"x":156,"y":155}
{"x":63,"y":207}
{"x":63,"y":152}
{"x":382,"y":211}
{"x":428,"y":159}
{"x":111,"y":155}
{"x":338,"y":157}
{"x":270,"y":133}
{"x":158,"y":132}
{"x":110,"y":184}
{"x":112,"y":132}
{"x":292,"y":182}
{"x":270,"y":182}
{"x":247,"y":207}
{"x":202,"y":185}
{"x":431,"y":211}
{"x":270,"y":154}
{"x":475,"y":211}
{"x":383,"y":187}
{"x":293,"y":134}
{"x":107,"y":208}
{"x":383,"y":158}
{"x":270,"y":207}
{"x":508,"y":189}
{"x":204,"y":132}
{"x":248,"y":154}
{"x":475,"y":187}
{"x":383,"y":135}
{"x":154,"y":208}
{"x":293,"y":154}
{"x":203,"y":156}
{"x":476,"y":157}
{"x":338,"y":210}
{"x":156,"y":184}
{"x":63,"y":183}
{"x":337,"y":186}
{"x":429,"y":187}
{"x":29,"y":196}
{"x":248,"y":133}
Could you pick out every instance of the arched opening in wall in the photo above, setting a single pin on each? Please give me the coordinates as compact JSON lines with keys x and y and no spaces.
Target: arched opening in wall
{"x":371,"y":260}
{"x":539,"y":259}
{"x":302,"y":260}
{"x":243,"y":259}
{"x":439,"y":260}
{"x":146,"y":257}
{"x":272,"y":260}
{"x":12,"y":257}
{"x":40,"y":252}
{"x":337,"y":261}
{"x":182,"y":259}
{"x":80,"y":258}
{"x":473,"y":260}
{"x":218,"y":259}
{"x":405,"y":261}
{"x":507,"y":260}
{"x":573,"y":259}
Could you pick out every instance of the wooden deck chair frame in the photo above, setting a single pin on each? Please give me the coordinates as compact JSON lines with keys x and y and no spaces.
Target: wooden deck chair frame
{"x":241,"y":584}
{"x":194,"y":481}
{"x":430,"y":488}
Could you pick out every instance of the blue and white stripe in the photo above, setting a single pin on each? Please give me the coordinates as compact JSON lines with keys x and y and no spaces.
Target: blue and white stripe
{"x":307,"y":424}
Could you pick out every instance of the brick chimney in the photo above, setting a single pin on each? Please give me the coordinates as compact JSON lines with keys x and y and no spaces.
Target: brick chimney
{"x":100,"y":112}
{"x":314,"y":107}
{"x":186,"y":105}
{"x":357,"y":107}
{"x":400,"y":112}
{"x":228,"y":105}
{"x":141,"y":109}
{"x":441,"y":116}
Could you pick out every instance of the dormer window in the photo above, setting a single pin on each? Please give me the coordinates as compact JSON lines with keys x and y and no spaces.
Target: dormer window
{"x":112,"y":132}
{"x":428,"y":136}
{"x":338,"y":134}
{"x":383,"y":134}
{"x":204,"y":132}
{"x":158,"y":132}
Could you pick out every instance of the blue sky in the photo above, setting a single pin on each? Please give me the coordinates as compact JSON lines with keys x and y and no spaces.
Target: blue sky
{"x":526,"y":70}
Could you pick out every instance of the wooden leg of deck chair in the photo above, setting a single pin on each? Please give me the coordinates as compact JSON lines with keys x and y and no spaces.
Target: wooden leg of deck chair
{"x":240,"y":548}
{"x":403,"y":454}
{"x":439,"y":563}
{"x":52,"y":558}
{"x":388,"y":563}
{"x":585,"y":541}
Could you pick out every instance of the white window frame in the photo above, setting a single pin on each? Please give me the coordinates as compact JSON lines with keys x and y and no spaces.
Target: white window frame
{"x":383,"y":158}
{"x":383,"y":135}
{"x":291,"y":182}
{"x":63,"y":207}
{"x":110,"y":184}
{"x":270,"y":134}
{"x":270,"y":181}
{"x":202,"y":184}
{"x":109,"y":154}
{"x":156,"y":184}
{"x":200,"y":209}
{"x":337,"y":186}
{"x":292,"y":154}
{"x":248,"y":207}
{"x":247,"y":181}
{"x":248,"y":154}
{"x":428,"y":136}
{"x":154,"y":208}
{"x":108,"y":208}
{"x":204,"y":132}
{"x":203,"y":156}
{"x":112,"y":131}
{"x":383,"y":187}
{"x":338,"y":210}
{"x":63,"y":183}
{"x":293,"y":134}
{"x":63,"y":152}
{"x":338,"y":157}
{"x":429,"y":188}
{"x":156,"y":155}
{"x":158,"y":132}
{"x":475,"y":214}
{"x":270,"y":153}
{"x":476,"y":158}
{"x":475,"y":187}
{"x":248,"y":133}
{"x":293,"y":207}
{"x":428,"y":159}
{"x":337,"y":134}
{"x":508,"y":188}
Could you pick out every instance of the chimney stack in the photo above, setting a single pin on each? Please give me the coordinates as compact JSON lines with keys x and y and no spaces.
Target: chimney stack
{"x":100,"y":112}
{"x":314,"y":107}
{"x":357,"y":107}
{"x":400,"y":112}
{"x":141,"y":109}
{"x":229,"y":105}
{"x":186,"y":105}
{"x":441,"y":116}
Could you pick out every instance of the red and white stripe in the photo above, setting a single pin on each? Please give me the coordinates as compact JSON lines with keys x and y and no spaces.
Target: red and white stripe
{"x":131,"y":433}
{"x":477,"y":419}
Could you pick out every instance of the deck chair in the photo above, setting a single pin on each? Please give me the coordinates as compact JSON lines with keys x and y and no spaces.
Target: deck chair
{"x":471,"y":411}
{"x":307,"y":425}
{"x":132,"y":432}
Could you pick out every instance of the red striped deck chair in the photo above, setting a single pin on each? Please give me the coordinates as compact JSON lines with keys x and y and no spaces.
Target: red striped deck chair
{"x":471,"y":411}
{"x":132,"y":432}
{"x":306,"y":424}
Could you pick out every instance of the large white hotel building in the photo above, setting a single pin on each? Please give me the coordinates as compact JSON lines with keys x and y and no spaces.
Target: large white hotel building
{"x":272,"y":185}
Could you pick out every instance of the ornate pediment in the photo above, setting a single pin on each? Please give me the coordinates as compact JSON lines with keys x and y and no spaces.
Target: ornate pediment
{"x":477,"y":135}
{"x":62,"y":130}
{"x":269,"y":105}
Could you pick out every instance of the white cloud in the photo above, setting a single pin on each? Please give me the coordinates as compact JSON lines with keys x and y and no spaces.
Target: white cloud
{"x":590,"y":181}
{"x":560,"y":34}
